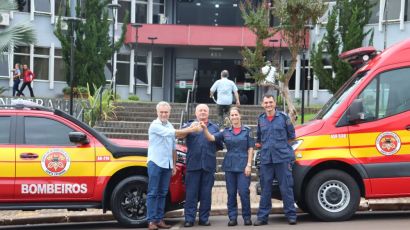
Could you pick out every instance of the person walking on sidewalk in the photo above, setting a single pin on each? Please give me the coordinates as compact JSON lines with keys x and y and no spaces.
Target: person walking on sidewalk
{"x":200,"y":169}
{"x":161,"y":163}
{"x":225,"y":88}
{"x":16,"y":79}
{"x":28,"y":77}
{"x":237,"y":164}
{"x":274,"y":131}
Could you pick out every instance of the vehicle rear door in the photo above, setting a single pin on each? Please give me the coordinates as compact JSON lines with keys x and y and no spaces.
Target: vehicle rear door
{"x":7,"y":156}
{"x":381,"y":140}
{"x":48,"y":166}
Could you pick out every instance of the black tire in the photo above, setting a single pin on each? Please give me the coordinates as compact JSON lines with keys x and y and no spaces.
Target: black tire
{"x":128,"y":201}
{"x":332,"y":195}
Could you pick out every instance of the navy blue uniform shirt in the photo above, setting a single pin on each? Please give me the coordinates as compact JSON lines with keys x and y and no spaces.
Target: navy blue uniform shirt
{"x":237,"y":145}
{"x":274,"y":136}
{"x":201,"y":152}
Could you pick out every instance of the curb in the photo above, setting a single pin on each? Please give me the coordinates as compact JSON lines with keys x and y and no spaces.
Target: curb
{"x":219,"y":211}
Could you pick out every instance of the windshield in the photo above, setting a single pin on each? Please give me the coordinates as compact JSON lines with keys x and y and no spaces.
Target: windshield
{"x":331,"y":106}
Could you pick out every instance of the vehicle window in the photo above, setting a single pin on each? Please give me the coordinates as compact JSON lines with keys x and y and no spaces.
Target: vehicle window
{"x":394,"y":92}
{"x":5,"y":130}
{"x":44,"y":131}
{"x":388,"y":94}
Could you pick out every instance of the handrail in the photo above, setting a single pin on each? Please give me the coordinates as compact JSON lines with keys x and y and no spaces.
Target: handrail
{"x":188,"y":98}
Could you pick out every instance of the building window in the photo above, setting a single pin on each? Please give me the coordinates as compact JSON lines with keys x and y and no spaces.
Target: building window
{"x":123,"y":69}
{"x":157,"y":71}
{"x":158,"y":12}
{"x":60,"y":7}
{"x":59,"y":69}
{"x":4,"y":65}
{"x":23,"y":5}
{"x":141,"y":12}
{"x":22,"y":55}
{"x":140,"y":67}
{"x":42,"y":6}
{"x":125,"y":6}
{"x":41,"y":59}
{"x":375,"y":11}
{"x":217,"y":13}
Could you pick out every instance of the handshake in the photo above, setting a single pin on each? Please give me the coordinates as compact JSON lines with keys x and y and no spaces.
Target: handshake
{"x":198,"y":126}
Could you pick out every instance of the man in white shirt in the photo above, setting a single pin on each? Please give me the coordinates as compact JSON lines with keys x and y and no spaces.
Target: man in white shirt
{"x":225,"y":88}
{"x":269,"y":71}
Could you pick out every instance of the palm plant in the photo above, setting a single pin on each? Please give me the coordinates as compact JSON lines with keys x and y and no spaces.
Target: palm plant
{"x":15,"y":35}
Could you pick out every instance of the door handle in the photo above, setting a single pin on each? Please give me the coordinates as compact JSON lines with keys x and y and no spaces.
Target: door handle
{"x":408,"y":127}
{"x":28,"y":155}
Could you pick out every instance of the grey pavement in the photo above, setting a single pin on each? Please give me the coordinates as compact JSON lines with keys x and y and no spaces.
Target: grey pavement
{"x":219,"y":197}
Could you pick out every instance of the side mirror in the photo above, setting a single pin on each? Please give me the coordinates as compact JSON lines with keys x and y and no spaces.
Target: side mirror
{"x":355,"y":112}
{"x":78,"y":138}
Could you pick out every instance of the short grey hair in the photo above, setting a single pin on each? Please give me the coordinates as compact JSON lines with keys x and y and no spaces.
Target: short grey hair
{"x":225,"y":73}
{"x":163,"y":103}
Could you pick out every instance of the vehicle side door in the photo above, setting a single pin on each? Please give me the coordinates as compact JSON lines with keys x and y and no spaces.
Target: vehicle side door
{"x":7,"y":156}
{"x":48,"y":166}
{"x":381,"y":139}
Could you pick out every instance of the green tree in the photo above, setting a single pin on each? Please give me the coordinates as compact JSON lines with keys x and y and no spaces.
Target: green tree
{"x":344,"y":31}
{"x":293,"y":16}
{"x":15,"y":35}
{"x":92,"y":45}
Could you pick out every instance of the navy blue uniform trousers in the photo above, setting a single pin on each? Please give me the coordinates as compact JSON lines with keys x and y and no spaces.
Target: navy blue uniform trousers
{"x":199,"y":185}
{"x":283,"y":173}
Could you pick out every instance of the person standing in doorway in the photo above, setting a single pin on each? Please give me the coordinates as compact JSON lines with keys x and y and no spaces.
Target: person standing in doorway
{"x":28,"y":77}
{"x":16,"y":79}
{"x":200,"y":169}
{"x":225,"y":88}
{"x":274,"y":131}
{"x":237,"y":164}
{"x":161,"y":163}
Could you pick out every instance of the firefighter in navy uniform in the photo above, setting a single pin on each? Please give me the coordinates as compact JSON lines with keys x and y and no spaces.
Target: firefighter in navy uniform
{"x":200,"y":169}
{"x":274,"y":131}
{"x":237,"y":164}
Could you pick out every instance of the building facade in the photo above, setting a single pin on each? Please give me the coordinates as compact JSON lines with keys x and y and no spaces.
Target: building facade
{"x":179,"y":39}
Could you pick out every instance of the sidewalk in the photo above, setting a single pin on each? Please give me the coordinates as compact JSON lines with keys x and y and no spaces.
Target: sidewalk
{"x":219,"y":198}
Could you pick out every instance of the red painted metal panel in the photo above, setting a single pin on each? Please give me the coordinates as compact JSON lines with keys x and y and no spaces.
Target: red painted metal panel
{"x":194,"y":35}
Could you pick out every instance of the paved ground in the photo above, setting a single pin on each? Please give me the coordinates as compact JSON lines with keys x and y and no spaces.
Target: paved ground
{"x":219,"y":198}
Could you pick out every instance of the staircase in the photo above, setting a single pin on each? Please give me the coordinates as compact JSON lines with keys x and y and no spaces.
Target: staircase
{"x":133,"y":119}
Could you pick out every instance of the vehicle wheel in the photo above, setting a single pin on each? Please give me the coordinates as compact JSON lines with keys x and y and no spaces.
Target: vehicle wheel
{"x":128,"y":201}
{"x":332,"y":195}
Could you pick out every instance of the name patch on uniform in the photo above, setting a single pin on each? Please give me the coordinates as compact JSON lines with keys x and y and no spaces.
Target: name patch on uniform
{"x":388,"y":143}
{"x":55,"y":162}
{"x":54,"y":188}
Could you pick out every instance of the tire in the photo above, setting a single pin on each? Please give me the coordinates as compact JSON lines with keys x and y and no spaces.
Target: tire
{"x":332,"y":195}
{"x":128,"y":201}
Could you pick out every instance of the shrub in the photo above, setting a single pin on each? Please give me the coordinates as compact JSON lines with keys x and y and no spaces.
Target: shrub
{"x":133,"y":98}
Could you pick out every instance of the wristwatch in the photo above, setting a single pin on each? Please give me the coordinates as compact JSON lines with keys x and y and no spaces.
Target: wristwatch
{"x":249,"y":165}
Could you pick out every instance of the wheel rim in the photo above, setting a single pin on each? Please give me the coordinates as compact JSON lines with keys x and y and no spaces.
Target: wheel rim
{"x":333,"y":196}
{"x":133,"y":203}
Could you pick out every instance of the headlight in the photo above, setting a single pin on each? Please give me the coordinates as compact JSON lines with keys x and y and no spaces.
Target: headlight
{"x":295,"y":144}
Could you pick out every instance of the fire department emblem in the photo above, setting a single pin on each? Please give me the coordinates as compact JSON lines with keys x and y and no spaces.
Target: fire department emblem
{"x":55,"y":162}
{"x":388,"y":143}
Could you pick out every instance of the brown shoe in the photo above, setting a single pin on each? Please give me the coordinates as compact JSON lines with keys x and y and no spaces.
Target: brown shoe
{"x":162,"y":224}
{"x":152,"y":226}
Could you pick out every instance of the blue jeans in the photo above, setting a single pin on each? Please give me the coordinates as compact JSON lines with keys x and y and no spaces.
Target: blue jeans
{"x":238,"y":182}
{"x":158,"y":184}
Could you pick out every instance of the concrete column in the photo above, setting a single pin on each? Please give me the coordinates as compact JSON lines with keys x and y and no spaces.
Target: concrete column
{"x":51,"y":66}
{"x":132,"y":74}
{"x":315,"y":86}
{"x":297,"y":79}
{"x":149,"y":75}
{"x":150,"y":13}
